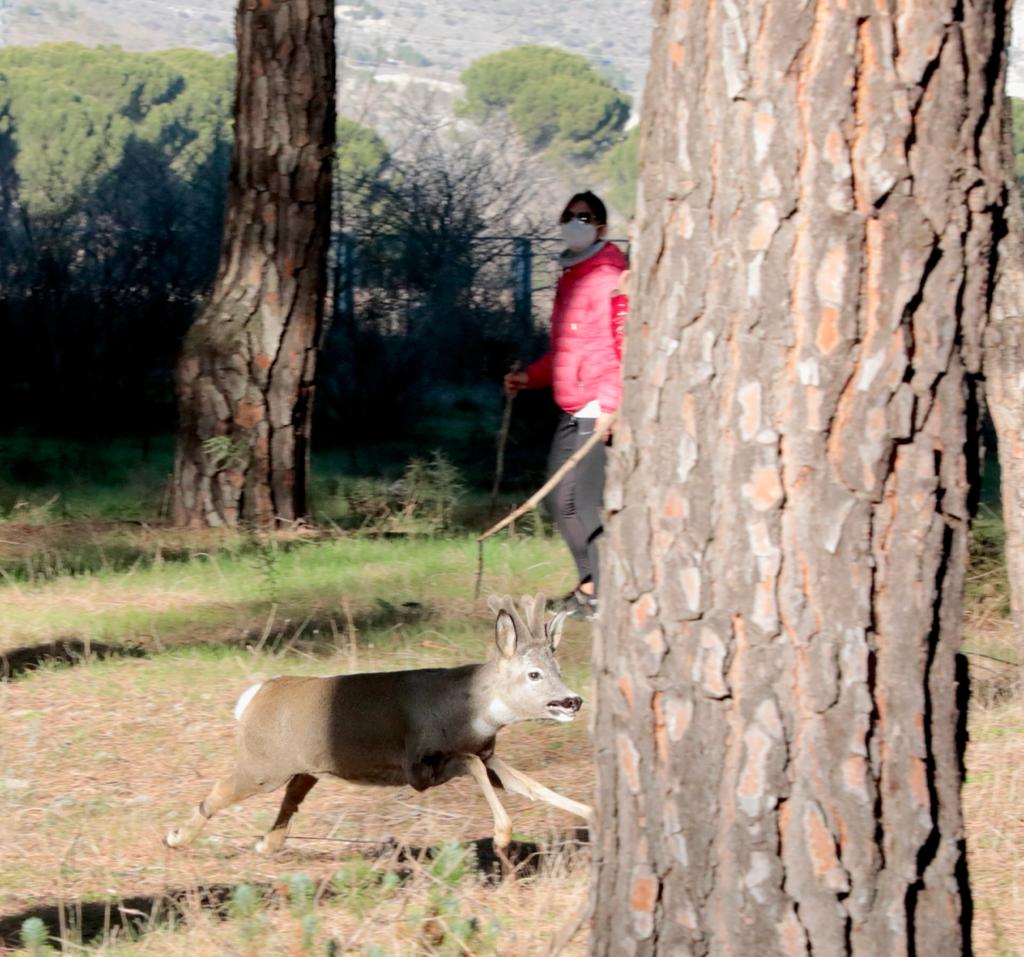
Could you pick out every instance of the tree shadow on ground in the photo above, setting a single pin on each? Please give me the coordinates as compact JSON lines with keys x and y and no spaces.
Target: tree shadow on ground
{"x":133,"y":916}
{"x":321,"y":635}
{"x":68,"y":651}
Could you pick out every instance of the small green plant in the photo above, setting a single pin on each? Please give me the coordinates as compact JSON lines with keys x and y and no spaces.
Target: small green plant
{"x":442,"y":926}
{"x":223,"y":451}
{"x":360,"y":886}
{"x":432,"y":488}
{"x":33,"y":514}
{"x":266,"y":561}
{"x":422,"y":500}
{"x":372,"y":502}
{"x":301,"y":902}
{"x":34,"y":937}
{"x":533,"y":524}
{"x":246,"y":906}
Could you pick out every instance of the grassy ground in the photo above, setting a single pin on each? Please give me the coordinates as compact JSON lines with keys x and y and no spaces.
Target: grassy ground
{"x":97,"y":761}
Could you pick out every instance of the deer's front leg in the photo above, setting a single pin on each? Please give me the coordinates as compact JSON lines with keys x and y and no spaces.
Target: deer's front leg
{"x":502,"y":822}
{"x":519,"y":783}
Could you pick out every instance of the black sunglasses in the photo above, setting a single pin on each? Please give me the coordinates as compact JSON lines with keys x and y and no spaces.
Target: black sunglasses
{"x":582,"y":217}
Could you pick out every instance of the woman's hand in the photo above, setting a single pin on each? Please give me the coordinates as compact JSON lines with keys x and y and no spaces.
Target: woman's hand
{"x":604,"y":423}
{"x":515,"y":381}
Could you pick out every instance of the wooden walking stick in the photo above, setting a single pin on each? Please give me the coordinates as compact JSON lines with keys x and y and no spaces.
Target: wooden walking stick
{"x":532,"y":502}
{"x":506,"y":422}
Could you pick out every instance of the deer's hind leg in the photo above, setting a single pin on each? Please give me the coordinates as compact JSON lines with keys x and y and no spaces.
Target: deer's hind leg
{"x":298,"y":787}
{"x":225,"y":792}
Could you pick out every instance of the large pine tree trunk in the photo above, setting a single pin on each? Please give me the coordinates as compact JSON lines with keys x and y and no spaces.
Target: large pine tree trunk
{"x":791,"y":486}
{"x":245,"y":378}
{"x":1004,"y":386}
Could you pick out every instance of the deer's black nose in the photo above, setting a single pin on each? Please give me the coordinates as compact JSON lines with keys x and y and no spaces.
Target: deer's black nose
{"x":573,"y":702}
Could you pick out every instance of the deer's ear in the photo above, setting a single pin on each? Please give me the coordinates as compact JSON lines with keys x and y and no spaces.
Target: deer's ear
{"x":553,"y":629}
{"x":494,"y":602}
{"x":505,"y":634}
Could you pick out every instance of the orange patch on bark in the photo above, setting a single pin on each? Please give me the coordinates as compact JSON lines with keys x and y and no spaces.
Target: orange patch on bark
{"x":644,"y":894}
{"x":643,"y":608}
{"x":876,"y":424}
{"x":919,"y":781}
{"x":820,"y":846}
{"x":655,"y":643}
{"x":868,"y":57}
{"x":785,"y":818}
{"x":249,"y":413}
{"x":791,"y":936}
{"x":874,"y":235}
{"x":764,"y":488}
{"x":625,"y":686}
{"x":813,"y":397}
{"x":760,"y":238}
{"x":677,"y":53}
{"x":262,"y":361}
{"x":854,"y":772}
{"x":629,"y":762}
{"x":827,"y":337}
{"x":660,"y":735}
{"x":764,"y":123}
{"x":752,"y":778}
{"x":834,"y":144}
{"x":674,"y":506}
{"x":689,"y":413}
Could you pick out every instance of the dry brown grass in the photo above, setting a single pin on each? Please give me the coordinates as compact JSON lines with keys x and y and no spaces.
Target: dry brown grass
{"x":97,"y":762}
{"x":994,"y":817}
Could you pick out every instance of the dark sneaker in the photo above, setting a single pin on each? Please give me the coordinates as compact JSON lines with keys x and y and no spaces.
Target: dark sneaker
{"x":577,"y":605}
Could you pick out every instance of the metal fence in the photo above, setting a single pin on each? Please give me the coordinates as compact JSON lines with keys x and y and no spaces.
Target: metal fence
{"x":520,"y":271}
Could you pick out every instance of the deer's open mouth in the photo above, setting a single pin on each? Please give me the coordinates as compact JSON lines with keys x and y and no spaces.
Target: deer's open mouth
{"x":564,"y":710}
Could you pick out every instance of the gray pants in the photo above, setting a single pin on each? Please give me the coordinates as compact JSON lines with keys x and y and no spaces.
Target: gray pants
{"x":575,"y":502}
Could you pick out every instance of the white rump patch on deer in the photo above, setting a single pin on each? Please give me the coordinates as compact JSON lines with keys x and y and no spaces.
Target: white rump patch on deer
{"x":243,"y":702}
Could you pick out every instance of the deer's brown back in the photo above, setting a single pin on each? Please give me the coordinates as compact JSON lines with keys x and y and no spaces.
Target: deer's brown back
{"x":358,"y":727}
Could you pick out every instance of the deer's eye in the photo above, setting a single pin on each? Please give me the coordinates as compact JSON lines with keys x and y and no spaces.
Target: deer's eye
{"x":534,"y":676}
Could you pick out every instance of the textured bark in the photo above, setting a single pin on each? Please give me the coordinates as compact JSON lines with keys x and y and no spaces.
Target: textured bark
{"x":245,"y":378}
{"x":1004,"y":386}
{"x":791,"y":485}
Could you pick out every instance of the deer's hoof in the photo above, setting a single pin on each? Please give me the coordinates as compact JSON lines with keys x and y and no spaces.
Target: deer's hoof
{"x":268,"y":844}
{"x":173,"y":838}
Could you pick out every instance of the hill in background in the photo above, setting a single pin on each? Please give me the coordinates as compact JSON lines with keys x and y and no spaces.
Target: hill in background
{"x":437,"y":38}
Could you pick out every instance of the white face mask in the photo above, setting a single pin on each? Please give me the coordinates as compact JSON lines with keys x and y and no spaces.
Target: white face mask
{"x":578,"y":236}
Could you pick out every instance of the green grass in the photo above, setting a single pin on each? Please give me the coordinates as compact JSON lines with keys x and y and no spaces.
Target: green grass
{"x":235,"y":589}
{"x":45,"y":480}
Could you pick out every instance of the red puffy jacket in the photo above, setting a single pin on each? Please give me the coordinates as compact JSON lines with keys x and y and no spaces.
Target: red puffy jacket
{"x":585,"y":361}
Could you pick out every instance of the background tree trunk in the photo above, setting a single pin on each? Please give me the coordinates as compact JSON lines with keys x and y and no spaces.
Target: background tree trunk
{"x":1004,"y":386}
{"x":791,"y":487}
{"x":245,"y":378}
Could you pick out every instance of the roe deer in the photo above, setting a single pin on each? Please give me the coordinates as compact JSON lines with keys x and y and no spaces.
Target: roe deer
{"x":421,"y":727}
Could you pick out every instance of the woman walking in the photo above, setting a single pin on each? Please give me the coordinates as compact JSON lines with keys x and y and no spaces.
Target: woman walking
{"x":584,"y":369}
